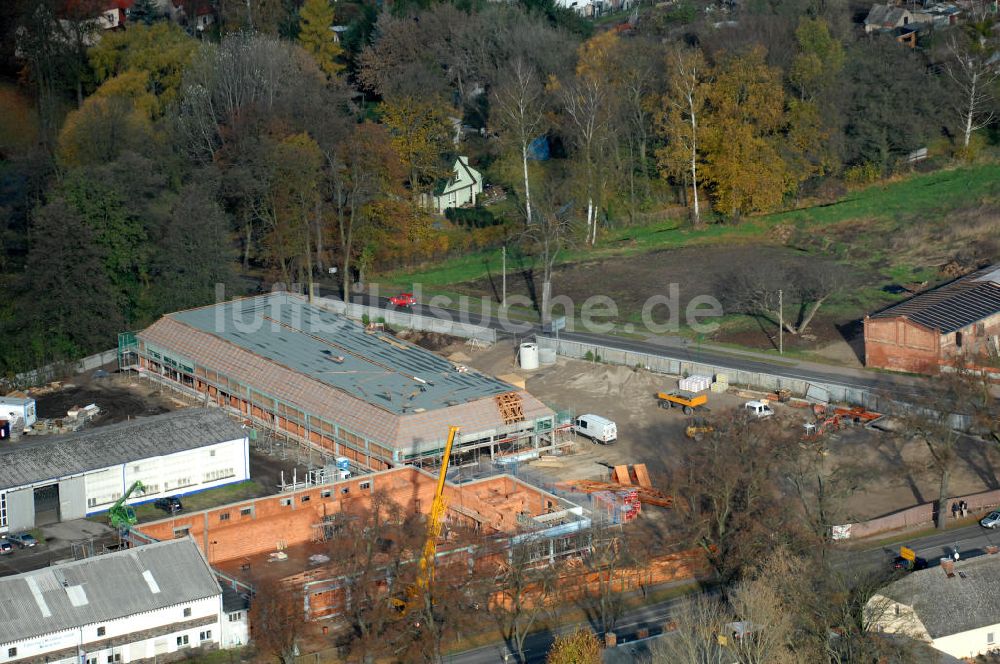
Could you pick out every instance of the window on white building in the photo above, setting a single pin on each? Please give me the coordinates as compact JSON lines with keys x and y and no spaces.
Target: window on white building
{"x":114,"y":657}
{"x":101,"y":631}
{"x":205,"y":636}
{"x":91,"y":660}
{"x":211,"y":453}
{"x":990,"y":638}
{"x":12,"y":652}
{"x":187,"y":611}
{"x":182,"y":641}
{"x":236,"y":617}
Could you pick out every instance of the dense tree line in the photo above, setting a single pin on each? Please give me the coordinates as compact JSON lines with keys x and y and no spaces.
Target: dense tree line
{"x":271,"y":148}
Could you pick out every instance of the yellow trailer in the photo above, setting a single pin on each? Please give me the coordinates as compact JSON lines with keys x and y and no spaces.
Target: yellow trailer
{"x":686,"y":401}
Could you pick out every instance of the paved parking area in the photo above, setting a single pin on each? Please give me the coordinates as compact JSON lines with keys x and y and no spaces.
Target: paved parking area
{"x":59,"y":542}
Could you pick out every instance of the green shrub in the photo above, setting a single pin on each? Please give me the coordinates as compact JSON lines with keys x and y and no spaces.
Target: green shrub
{"x":476,"y":217}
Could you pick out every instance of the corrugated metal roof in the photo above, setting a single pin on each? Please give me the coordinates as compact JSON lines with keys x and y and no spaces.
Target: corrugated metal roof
{"x":49,"y":457}
{"x":103,"y":588}
{"x":954,"y":305}
{"x":374,"y":385}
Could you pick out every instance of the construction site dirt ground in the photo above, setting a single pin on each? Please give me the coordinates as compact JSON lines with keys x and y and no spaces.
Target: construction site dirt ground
{"x":893,"y":471}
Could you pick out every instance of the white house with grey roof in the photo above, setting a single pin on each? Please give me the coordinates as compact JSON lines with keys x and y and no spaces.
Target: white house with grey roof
{"x":156,"y":601}
{"x":955,"y":607}
{"x":461,"y":188}
{"x":57,"y":478}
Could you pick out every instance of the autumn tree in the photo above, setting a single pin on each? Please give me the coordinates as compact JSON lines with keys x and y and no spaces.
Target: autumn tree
{"x":420,"y":133}
{"x":679,"y":116}
{"x":365,"y":169}
{"x":743,"y":133}
{"x":277,"y":619}
{"x":579,"y":647}
{"x":103,"y":128}
{"x":588,"y":104}
{"x":519,"y":108}
{"x":158,"y":53}
{"x":317,"y":37}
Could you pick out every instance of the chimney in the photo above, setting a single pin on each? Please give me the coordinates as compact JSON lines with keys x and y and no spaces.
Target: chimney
{"x":948,"y":565}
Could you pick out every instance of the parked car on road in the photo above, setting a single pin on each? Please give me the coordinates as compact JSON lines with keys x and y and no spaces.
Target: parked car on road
{"x":170,"y":504}
{"x":5,"y":547}
{"x":991,"y":520}
{"x":23,"y":540}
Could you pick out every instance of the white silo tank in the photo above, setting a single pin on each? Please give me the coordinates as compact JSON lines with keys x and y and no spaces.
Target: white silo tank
{"x":528,"y":355}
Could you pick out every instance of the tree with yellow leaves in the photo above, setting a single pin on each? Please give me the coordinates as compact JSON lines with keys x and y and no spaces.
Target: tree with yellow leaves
{"x":317,"y":37}
{"x":746,"y":124}
{"x":579,"y":647}
{"x":420,"y":133}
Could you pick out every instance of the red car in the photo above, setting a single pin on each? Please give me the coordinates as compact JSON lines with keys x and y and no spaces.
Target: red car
{"x":403,"y":300}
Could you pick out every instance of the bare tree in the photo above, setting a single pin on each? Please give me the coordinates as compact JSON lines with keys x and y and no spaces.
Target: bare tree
{"x":277,"y":620}
{"x":765,"y":290}
{"x":974,"y":75}
{"x":522,"y":589}
{"x":547,"y":237}
{"x":684,"y":101}
{"x":588,"y":107}
{"x":697,"y":624}
{"x":519,"y":106}
{"x":611,"y":558}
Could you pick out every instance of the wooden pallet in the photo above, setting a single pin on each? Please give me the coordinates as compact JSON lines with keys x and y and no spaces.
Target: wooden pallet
{"x":647,"y":495}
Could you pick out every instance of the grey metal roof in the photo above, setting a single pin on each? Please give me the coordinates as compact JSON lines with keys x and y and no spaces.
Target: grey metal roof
{"x":885,"y":15}
{"x":102,"y":588}
{"x":954,"y":305}
{"x":952,"y":605}
{"x":48,"y":457}
{"x":376,"y":367}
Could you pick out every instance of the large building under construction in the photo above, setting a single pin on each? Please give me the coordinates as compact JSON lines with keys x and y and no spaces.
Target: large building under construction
{"x":305,"y":372}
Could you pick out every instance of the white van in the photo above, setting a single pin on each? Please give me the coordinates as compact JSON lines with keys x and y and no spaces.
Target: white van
{"x":758,"y":409}
{"x":598,"y":429}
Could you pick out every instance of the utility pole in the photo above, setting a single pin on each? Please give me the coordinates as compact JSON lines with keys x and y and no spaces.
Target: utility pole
{"x":781,"y":324}
{"x":503,"y":301}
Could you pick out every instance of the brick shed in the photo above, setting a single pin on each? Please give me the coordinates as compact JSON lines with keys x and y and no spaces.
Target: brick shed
{"x":959,"y":319}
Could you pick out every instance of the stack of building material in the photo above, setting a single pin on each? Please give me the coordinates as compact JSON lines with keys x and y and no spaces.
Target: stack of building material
{"x":617,"y":506}
{"x":696,"y":383}
{"x":721,"y":383}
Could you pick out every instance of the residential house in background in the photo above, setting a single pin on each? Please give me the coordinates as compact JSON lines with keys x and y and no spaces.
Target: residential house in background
{"x":934,"y":328}
{"x":954,"y":607}
{"x":460,"y":189}
{"x":887,"y":17}
{"x":155,"y":602}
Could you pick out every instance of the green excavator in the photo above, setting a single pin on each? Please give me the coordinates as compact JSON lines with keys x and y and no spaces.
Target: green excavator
{"x":122,"y":516}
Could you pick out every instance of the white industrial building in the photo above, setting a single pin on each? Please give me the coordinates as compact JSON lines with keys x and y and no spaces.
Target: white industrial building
{"x":154,"y":602}
{"x":18,"y":410}
{"x":57,"y":478}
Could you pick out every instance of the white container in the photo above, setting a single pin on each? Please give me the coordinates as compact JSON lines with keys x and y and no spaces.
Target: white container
{"x":528,"y":356}
{"x":547,"y":356}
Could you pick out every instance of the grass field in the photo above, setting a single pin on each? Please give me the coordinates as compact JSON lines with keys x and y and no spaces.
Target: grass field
{"x":917,"y":201}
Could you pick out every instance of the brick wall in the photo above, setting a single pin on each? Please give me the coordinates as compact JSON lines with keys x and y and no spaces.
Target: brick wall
{"x":899,"y":345}
{"x":262,"y":525}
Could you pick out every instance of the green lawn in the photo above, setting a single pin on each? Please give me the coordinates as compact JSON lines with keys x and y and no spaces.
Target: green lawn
{"x":887,"y":207}
{"x":231,"y":493}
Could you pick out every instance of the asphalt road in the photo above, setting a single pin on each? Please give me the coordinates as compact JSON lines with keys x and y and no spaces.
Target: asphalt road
{"x":971,"y":541}
{"x":676,"y":348}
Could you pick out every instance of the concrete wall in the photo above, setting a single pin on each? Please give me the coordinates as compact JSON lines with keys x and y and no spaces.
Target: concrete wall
{"x":72,"y":498}
{"x":899,"y":345}
{"x":918,"y":515}
{"x":20,"y":510}
{"x":820,"y":391}
{"x":53,"y":371}
{"x":412,"y":321}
